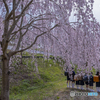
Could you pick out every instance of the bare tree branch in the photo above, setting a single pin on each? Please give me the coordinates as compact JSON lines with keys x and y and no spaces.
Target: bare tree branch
{"x":14,"y":24}
{"x":20,"y":38}
{"x":12,"y":37}
{"x":39,"y":15}
{"x":28,"y":25}
{"x":15,"y":17}
{"x":6,"y":6}
{"x":66,"y":31}
{"x":8,"y":33}
{"x":54,"y":36}
{"x":14,"y":10}
{"x":10,"y":14}
{"x":14,"y":52}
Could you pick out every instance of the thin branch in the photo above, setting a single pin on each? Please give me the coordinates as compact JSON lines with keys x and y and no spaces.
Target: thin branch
{"x":54,"y":36}
{"x":39,"y":28}
{"x":14,"y":10}
{"x":15,"y":17}
{"x":11,"y":37}
{"x":14,"y":52}
{"x":39,"y":15}
{"x":14,"y":24}
{"x":6,"y":6}
{"x":66,"y":31}
{"x":10,"y":14}
{"x":28,"y":25}
{"x":25,"y":32}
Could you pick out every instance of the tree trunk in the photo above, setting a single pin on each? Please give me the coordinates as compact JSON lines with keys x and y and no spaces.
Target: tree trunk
{"x":5,"y":79}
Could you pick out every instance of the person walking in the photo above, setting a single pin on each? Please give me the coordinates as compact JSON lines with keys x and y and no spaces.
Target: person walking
{"x":98,"y":83}
{"x":77,"y":81}
{"x":81,"y":81}
{"x":86,"y":81}
{"x":91,"y":82}
{"x":73,"y":74}
{"x":68,"y":78}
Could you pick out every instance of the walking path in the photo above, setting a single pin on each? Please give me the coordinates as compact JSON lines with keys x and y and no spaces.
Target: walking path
{"x":64,"y":94}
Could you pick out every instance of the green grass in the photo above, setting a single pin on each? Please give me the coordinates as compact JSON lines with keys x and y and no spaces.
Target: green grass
{"x":51,"y":81}
{"x":30,"y":85}
{"x":39,"y":93}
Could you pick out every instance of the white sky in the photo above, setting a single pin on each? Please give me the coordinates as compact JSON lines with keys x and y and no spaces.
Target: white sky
{"x":96,"y":10}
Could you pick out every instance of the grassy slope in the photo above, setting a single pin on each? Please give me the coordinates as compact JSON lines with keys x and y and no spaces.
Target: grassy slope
{"x":51,"y":81}
{"x":49,"y":84}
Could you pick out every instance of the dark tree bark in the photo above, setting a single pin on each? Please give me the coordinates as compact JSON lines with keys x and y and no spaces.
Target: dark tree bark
{"x":5,"y":78}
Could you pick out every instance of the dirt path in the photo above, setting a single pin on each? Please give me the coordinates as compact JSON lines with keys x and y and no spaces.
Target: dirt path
{"x":64,"y":94}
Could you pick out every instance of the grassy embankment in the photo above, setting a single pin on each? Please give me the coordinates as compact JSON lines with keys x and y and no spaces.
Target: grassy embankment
{"x":26,"y":84}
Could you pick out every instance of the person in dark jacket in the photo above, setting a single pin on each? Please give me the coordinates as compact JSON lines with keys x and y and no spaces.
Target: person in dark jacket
{"x":81,"y":81}
{"x":73,"y":81}
{"x":97,"y":83}
{"x":77,"y":82}
{"x":68,"y":78}
{"x":91,"y":81}
{"x":87,"y":83}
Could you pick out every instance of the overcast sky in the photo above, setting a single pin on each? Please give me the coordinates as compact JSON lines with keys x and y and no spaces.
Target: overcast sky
{"x":96,"y":9}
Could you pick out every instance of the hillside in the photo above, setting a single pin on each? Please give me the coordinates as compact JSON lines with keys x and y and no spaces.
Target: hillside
{"x":27,"y":81}
{"x":40,"y":79}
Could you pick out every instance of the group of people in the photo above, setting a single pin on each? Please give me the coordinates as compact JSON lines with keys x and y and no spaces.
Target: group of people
{"x":81,"y":79}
